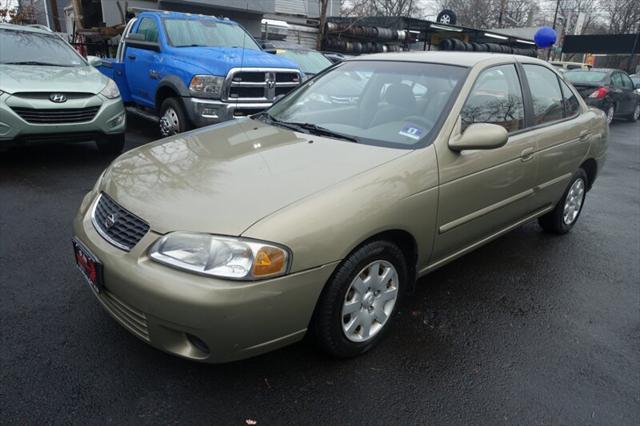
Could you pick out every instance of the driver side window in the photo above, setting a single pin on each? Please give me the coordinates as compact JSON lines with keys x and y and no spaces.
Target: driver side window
{"x":496,"y":98}
{"x":148,"y":29}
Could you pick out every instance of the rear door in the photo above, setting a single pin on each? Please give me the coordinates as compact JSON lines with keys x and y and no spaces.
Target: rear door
{"x":142,"y":64}
{"x":560,"y":128}
{"x":628,"y":93}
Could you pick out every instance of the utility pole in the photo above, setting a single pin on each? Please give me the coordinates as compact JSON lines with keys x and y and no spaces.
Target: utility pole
{"x":77,"y":12}
{"x":502,"y":4}
{"x":555,"y":18}
{"x":323,"y":20}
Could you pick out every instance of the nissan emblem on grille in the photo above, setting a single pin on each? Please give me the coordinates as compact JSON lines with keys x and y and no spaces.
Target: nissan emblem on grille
{"x":58,"y":98}
{"x":110,"y":221}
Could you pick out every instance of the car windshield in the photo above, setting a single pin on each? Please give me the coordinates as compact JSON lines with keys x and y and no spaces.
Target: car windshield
{"x":398,"y":104}
{"x":33,"y":48}
{"x":207,"y":32}
{"x":310,"y":62}
{"x":584,"y":76}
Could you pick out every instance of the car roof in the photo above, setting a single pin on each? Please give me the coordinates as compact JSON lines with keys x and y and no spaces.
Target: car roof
{"x":465,"y":59}
{"x":24,"y":28}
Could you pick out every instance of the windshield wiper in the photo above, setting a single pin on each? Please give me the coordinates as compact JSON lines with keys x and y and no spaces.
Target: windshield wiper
{"x":46,"y":64}
{"x":269,"y":119}
{"x":323,"y":131}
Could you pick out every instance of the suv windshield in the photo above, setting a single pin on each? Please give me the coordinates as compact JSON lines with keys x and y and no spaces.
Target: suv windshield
{"x":32,"y":48}
{"x":398,"y":104}
{"x":207,"y":32}
{"x":584,"y":76}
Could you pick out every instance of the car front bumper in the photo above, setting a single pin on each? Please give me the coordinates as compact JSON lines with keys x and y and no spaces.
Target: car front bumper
{"x":110,"y":119}
{"x":204,"y":112}
{"x":177,"y":311}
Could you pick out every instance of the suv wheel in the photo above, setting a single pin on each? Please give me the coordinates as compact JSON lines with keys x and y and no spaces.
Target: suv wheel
{"x":173,"y":119}
{"x":360,"y":300}
{"x":561,"y":219}
{"x":111,"y":144}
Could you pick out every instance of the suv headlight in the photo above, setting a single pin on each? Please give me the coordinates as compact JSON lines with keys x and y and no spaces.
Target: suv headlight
{"x":206,"y":86}
{"x":223,"y":257}
{"x":110,"y":91}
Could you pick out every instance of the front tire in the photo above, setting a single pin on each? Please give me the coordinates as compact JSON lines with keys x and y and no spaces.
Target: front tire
{"x":173,"y":119}
{"x":564,"y":216}
{"x":359,"y":301}
{"x":610,"y":111}
{"x":111,"y":145}
{"x":635,"y":114}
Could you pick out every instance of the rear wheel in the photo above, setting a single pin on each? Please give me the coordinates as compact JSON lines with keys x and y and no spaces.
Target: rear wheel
{"x":111,"y":144}
{"x":635,"y":114}
{"x":358,"y":303}
{"x":173,"y":119}
{"x":610,"y":112}
{"x":562,"y":218}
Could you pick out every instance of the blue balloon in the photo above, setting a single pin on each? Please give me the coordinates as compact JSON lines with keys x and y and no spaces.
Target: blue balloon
{"x":545,"y":37}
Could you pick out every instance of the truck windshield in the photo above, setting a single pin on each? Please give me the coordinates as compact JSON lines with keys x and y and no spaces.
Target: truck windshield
{"x":208,"y":33}
{"x":32,"y":48}
{"x":385,"y":103}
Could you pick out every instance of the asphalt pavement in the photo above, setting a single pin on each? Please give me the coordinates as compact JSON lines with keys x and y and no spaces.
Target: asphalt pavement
{"x":530,"y":329}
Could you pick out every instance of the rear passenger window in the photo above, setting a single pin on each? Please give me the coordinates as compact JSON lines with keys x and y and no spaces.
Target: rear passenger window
{"x":571,"y":105}
{"x":545,"y":94}
{"x":496,"y":98}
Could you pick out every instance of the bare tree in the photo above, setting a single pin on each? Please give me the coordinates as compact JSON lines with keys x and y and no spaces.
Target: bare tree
{"x":622,"y":16}
{"x":409,"y":8}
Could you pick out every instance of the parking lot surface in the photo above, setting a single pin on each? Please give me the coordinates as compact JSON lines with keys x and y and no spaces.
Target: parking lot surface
{"x":530,"y":329}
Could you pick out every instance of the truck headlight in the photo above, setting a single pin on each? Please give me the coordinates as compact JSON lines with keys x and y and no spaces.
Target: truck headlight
{"x":206,"y":86}
{"x":110,"y":91}
{"x":223,"y":257}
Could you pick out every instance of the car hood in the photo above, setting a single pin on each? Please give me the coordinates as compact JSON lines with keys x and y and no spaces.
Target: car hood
{"x":219,"y":60}
{"x":33,"y":78}
{"x":222,"y":179}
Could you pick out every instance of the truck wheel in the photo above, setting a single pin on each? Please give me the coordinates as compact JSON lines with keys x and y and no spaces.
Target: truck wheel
{"x":111,"y":144}
{"x":173,"y":119}
{"x":360,"y":300}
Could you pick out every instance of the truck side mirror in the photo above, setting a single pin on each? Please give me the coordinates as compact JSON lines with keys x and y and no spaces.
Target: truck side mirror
{"x":269,"y":48}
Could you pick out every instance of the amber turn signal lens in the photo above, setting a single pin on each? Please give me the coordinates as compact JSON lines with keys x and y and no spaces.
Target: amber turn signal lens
{"x":269,"y":261}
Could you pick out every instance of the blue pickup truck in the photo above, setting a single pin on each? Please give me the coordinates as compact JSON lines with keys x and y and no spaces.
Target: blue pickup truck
{"x":185,"y":70}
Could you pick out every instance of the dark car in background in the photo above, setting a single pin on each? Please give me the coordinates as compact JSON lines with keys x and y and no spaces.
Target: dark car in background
{"x":311,"y":62}
{"x":611,"y":90}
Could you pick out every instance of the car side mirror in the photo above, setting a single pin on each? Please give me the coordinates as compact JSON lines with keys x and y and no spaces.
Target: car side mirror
{"x":94,"y":61}
{"x":480,"y":136}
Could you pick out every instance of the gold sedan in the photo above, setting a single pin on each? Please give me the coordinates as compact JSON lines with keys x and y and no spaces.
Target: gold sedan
{"x":319,"y":214}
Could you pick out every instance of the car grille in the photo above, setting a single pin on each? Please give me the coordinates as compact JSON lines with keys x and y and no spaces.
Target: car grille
{"x":260,"y":85}
{"x":56,"y":116}
{"x":131,"y":318}
{"x":118,"y":226}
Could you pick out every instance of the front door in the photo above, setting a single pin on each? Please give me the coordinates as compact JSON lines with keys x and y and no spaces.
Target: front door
{"x":484,"y":191}
{"x":142,"y":65}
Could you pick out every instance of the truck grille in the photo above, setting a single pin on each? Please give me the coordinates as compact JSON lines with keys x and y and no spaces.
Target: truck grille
{"x":260,"y":85}
{"x":118,"y":226}
{"x":56,"y":116}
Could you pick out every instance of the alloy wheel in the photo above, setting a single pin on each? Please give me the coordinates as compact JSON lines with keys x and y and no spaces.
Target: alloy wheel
{"x":636,"y":113}
{"x":369,"y":301}
{"x":610,"y":112}
{"x":573,"y":202}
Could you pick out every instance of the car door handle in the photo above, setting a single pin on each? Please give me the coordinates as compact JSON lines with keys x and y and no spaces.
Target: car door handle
{"x":584,"y":135}
{"x":527,"y":154}
{"x":132,"y":57}
{"x":154,"y":75}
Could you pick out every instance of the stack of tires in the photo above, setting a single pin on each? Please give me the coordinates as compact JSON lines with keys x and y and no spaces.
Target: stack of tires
{"x":356,"y":39}
{"x":463,"y":46}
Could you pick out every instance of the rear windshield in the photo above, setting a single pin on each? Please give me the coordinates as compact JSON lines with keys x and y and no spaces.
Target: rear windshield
{"x":583,"y":76}
{"x":207,"y":33}
{"x":31,"y":48}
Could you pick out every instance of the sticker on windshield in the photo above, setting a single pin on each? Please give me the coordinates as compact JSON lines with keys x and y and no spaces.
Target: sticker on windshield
{"x":412,"y":131}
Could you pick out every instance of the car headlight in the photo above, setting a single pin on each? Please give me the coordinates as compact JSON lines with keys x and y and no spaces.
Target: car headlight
{"x":110,"y":91}
{"x":223,"y":257}
{"x":207,"y":86}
